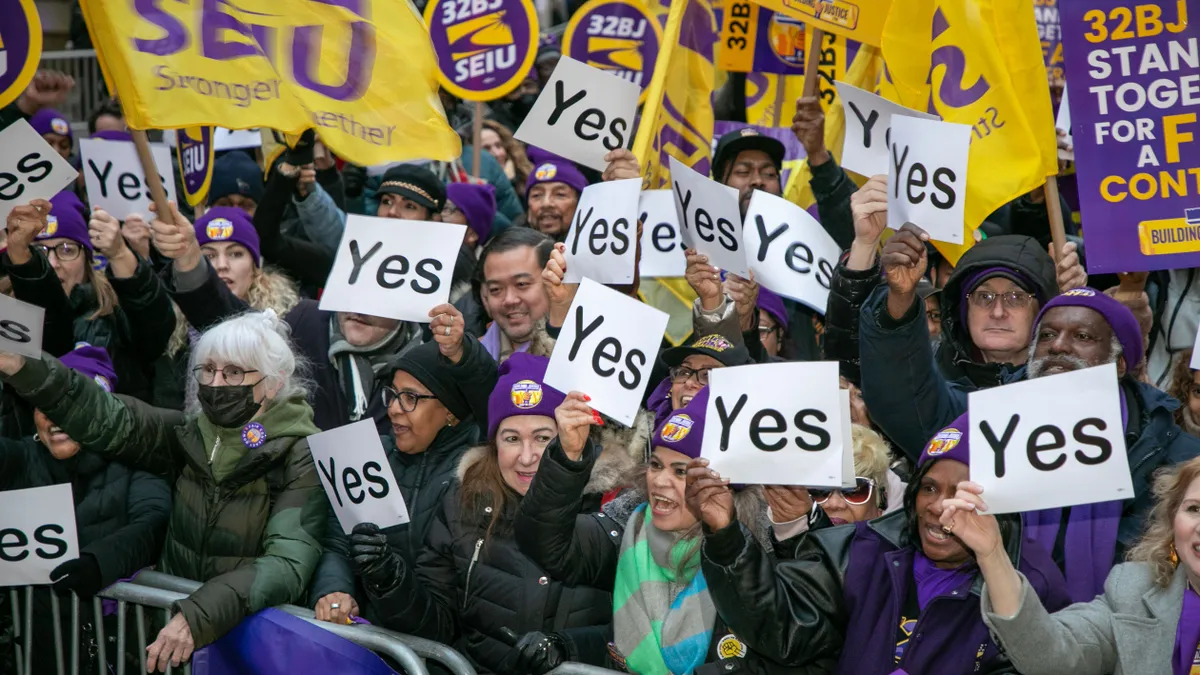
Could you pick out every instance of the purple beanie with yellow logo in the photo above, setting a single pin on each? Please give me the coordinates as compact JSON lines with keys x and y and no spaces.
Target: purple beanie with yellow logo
{"x":94,"y":363}
{"x":949,"y":443}
{"x":68,"y":219}
{"x":683,"y":430}
{"x":228,"y":223}
{"x":521,"y":390}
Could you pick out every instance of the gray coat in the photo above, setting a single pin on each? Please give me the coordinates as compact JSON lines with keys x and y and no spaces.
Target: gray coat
{"x":1129,"y":630}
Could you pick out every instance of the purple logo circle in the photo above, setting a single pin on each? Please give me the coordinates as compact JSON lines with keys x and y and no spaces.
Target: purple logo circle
{"x":254,"y":435}
{"x":20,"y":47}
{"x":621,"y":37}
{"x":485,"y":48}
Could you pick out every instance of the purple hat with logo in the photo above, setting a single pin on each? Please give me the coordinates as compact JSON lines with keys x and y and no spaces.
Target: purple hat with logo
{"x":68,"y":219}
{"x":949,"y":443}
{"x":521,"y":391}
{"x":94,"y":363}
{"x":683,"y":430}
{"x":228,"y":223}
{"x":550,"y":168}
{"x":48,"y":121}
{"x":1123,"y":323}
{"x":772,"y":304}
{"x":113,"y":135}
{"x":478,"y":204}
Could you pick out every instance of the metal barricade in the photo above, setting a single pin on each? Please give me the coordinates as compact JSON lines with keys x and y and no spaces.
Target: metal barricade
{"x":90,"y":90}
{"x":572,"y":668}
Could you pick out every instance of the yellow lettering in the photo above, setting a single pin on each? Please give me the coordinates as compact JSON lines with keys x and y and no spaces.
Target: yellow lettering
{"x":1181,"y":23}
{"x":1146,"y":193}
{"x":1149,"y":20}
{"x":1173,"y":138}
{"x":1101,"y":31}
{"x":1107,"y":194}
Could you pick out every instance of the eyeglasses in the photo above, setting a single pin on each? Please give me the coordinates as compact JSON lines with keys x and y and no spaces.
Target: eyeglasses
{"x":857,"y":495}
{"x":936,"y":316}
{"x":450,"y":210}
{"x":66,"y":250}
{"x":233,"y":375}
{"x":1012,"y":299}
{"x":408,"y":399}
{"x":681,"y":374}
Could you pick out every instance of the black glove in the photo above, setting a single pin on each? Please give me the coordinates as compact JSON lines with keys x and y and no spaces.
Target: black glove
{"x":302,"y":153}
{"x":354,"y":179}
{"x":373,"y":559}
{"x":81,"y":575}
{"x":535,"y":653}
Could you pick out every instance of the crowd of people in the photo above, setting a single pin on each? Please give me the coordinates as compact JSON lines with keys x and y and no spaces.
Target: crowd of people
{"x":186,"y":362}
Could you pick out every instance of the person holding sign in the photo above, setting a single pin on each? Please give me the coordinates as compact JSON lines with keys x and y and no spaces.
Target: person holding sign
{"x":120,"y":513}
{"x":1146,"y":620}
{"x":472,"y":583}
{"x":248,"y":510}
{"x":897,"y":594}
{"x":125,"y":309}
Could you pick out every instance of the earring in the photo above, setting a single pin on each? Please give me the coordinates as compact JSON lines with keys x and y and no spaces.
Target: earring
{"x":451,"y":420}
{"x":1174,"y":556}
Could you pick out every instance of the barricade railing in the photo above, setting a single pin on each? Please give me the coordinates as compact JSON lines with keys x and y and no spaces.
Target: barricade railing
{"x":572,"y":668}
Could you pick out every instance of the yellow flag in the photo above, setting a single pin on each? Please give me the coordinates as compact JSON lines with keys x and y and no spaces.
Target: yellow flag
{"x":860,"y":20}
{"x":983,"y":67}
{"x":363,"y":73}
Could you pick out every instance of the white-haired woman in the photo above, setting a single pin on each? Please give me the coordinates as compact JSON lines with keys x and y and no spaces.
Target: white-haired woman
{"x":248,"y":510}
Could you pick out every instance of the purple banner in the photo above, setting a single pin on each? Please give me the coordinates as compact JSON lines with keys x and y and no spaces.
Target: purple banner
{"x":485,"y":48}
{"x":20,"y":47}
{"x":621,"y":37}
{"x":1050,"y":33}
{"x":194,"y":149}
{"x":1135,"y":87}
{"x":792,"y":150}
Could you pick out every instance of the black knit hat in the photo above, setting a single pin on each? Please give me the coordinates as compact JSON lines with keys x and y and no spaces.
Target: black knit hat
{"x":426,"y":363}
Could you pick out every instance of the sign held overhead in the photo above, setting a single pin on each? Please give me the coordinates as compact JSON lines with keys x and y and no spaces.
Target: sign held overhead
{"x":790,"y":252}
{"x":602,"y":241}
{"x":869,"y":129}
{"x":710,"y":219}
{"x":29,"y":168}
{"x":115,"y":179}
{"x":662,"y":249}
{"x":928,"y":181}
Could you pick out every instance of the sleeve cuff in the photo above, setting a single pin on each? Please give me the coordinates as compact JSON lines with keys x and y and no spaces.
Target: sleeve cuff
{"x":725,"y":545}
{"x":32,"y":375}
{"x":886,"y":321}
{"x":715,"y":315}
{"x":873,"y":272}
{"x":192,"y":279}
{"x":36,"y":268}
{"x":825,"y":177}
{"x":785,"y":531}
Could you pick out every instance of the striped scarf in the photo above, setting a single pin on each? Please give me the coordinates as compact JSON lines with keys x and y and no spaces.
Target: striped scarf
{"x":663,"y":615}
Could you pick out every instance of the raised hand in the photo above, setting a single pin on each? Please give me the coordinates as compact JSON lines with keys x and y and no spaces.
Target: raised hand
{"x":965,"y":516}
{"x":869,"y":208}
{"x":708,"y":495}
{"x":744,"y":293}
{"x":788,"y":502}
{"x":575,"y":419}
{"x":622,"y":164}
{"x":48,"y":89}
{"x":175,"y":240}
{"x":809,"y":126}
{"x":904,"y":260}
{"x":704,"y":279}
{"x":1069,"y":270}
{"x":448,"y":330}
{"x":24,"y":224}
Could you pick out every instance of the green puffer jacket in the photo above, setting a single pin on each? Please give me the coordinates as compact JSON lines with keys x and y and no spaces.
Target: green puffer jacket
{"x":246,"y":522}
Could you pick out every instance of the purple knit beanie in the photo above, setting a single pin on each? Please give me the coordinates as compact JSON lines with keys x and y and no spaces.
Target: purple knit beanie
{"x":478,"y":204}
{"x":49,"y":121}
{"x":521,"y":390}
{"x":228,"y":223}
{"x":92,"y":362}
{"x":949,"y":443}
{"x":1123,"y":323}
{"x":68,"y":219}
{"x":683,"y":430}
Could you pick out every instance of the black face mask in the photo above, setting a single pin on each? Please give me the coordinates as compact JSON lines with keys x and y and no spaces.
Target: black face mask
{"x":228,"y":407}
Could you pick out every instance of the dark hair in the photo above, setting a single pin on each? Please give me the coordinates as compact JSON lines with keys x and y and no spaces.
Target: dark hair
{"x":110,"y":107}
{"x":1009,"y":523}
{"x":510,"y":239}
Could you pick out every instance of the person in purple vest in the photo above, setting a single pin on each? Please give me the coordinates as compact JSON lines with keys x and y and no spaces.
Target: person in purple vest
{"x":893,"y":595}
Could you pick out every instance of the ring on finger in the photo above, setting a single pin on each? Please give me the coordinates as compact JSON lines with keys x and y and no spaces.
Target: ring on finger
{"x":447,"y":330}
{"x":335,"y":605}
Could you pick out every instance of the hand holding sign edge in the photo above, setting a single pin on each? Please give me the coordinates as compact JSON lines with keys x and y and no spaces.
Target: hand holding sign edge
{"x":175,"y":240}
{"x":904,"y":260}
{"x":575,"y":419}
{"x":965,"y":516}
{"x":708,"y":496}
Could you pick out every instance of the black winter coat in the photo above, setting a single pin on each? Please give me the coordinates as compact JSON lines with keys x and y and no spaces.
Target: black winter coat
{"x":466,"y":587}
{"x":848,"y":290}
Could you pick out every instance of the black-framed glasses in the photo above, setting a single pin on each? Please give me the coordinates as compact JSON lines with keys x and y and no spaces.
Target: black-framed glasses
{"x":681,"y":374}
{"x":63,"y":250}
{"x":857,"y":495}
{"x":233,"y":375}
{"x":1012,"y":299}
{"x":450,"y":210}
{"x":408,"y":399}
{"x":934,"y":315}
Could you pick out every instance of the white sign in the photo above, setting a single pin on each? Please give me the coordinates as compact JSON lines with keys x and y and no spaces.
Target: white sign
{"x":606,"y":350}
{"x":789,"y":251}
{"x":229,"y":139}
{"x":662,"y":249}
{"x":399,"y":269}
{"x":21,"y":327}
{"x":1050,"y":442}
{"x":357,"y":477}
{"x":602,"y":242}
{"x":849,"y":476}
{"x":868,"y":129}
{"x":762,"y":429}
{"x":582,"y":114}
{"x":37,"y":533}
{"x":1063,"y":121}
{"x":29,"y":168}
{"x":928,"y":177}
{"x":114,"y":177}
{"x":709,"y":218}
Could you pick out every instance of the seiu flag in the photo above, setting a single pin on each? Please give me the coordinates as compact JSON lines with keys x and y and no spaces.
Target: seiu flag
{"x":983,"y":67}
{"x":273,"y":642}
{"x":290,"y":65}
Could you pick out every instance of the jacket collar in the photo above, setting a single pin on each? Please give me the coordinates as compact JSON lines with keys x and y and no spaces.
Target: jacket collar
{"x":1164,"y":603}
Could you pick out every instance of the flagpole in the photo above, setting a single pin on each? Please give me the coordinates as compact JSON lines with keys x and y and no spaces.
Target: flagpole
{"x":1054,"y":208}
{"x":142,"y":144}
{"x":811,"y":59}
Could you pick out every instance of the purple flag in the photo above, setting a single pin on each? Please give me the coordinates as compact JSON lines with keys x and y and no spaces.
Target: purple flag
{"x":485,"y":49}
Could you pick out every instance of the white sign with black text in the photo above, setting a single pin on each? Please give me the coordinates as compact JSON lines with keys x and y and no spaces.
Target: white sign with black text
{"x":29,"y":168}
{"x":709,"y":218}
{"x":234,"y":139}
{"x":115,"y":179}
{"x":762,"y":429}
{"x":399,"y":269}
{"x":789,"y":251}
{"x":582,"y":114}
{"x":928,"y":180}
{"x":606,"y":349}
{"x":21,"y":327}
{"x":662,"y":249}
{"x":849,"y":476}
{"x":868,"y":129}
{"x":602,"y":241}
{"x":1050,"y":442}
{"x":37,"y":533}
{"x":357,"y":477}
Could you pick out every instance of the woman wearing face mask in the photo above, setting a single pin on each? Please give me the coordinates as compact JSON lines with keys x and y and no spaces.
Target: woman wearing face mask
{"x":897,"y":593}
{"x":472,"y":587}
{"x":124,"y":308}
{"x":1146,"y":621}
{"x":121,"y":514}
{"x":644,"y":540}
{"x":436,"y":399}
{"x":248,"y":509}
